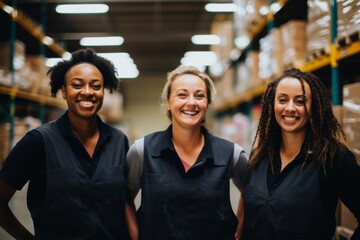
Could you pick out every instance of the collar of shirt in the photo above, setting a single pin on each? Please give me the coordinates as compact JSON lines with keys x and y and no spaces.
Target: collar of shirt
{"x":165,"y":145}
{"x":66,"y":131}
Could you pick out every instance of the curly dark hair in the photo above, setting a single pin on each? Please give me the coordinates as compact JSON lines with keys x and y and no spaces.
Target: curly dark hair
{"x":57,"y":73}
{"x":324,"y":135}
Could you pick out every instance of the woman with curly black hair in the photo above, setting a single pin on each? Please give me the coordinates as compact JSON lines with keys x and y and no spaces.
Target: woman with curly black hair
{"x":75,"y":165}
{"x":300,"y":164}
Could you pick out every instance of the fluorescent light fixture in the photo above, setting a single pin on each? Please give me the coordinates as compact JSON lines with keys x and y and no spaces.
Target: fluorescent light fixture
{"x":206,"y":39}
{"x":199,"y":58}
{"x":47,"y":40}
{"x":242,"y":42}
{"x":82,"y":8}
{"x":8,"y":9}
{"x":221,"y":7}
{"x":123,"y":63}
{"x":275,"y":7}
{"x":264,"y":10}
{"x":66,"y":56}
{"x":101,"y":41}
{"x":50,"y":62}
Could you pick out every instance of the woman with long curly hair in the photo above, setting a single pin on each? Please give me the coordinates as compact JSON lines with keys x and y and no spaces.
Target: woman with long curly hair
{"x":300,"y":164}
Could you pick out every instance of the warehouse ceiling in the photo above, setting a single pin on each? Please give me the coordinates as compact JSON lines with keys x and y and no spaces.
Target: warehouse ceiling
{"x":156,"y":33}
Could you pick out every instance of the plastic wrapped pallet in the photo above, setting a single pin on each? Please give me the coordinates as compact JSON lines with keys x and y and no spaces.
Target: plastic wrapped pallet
{"x":223,"y":27}
{"x":318,"y":27}
{"x":271,"y":62}
{"x":38,"y":74}
{"x":242,"y":78}
{"x":348,"y":19}
{"x":18,"y":63}
{"x":294,"y":43}
{"x":351,"y":116}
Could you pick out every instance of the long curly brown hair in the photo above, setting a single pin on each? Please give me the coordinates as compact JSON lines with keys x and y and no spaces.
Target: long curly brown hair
{"x":324,"y":135}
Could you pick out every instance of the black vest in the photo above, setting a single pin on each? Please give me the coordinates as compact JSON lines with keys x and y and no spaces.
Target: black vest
{"x":76,"y":207}
{"x":295,"y":210}
{"x":186,"y":206}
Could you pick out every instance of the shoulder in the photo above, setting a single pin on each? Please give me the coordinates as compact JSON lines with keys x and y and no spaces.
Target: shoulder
{"x":111,"y":129}
{"x":220,"y":142}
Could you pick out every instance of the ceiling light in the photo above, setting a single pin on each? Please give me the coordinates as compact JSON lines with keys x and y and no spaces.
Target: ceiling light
{"x":123,"y":63}
{"x":207,"y":39}
{"x":47,"y":40}
{"x":50,"y":62}
{"x":221,"y":7}
{"x":275,"y":7}
{"x":264,"y":10}
{"x":199,"y":58}
{"x":82,"y":8}
{"x":241,"y":42}
{"x":66,"y":56}
{"x":101,"y":41}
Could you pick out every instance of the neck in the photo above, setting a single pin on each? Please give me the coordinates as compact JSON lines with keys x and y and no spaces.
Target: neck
{"x":83,"y":128}
{"x":291,"y":143}
{"x":187,"y":138}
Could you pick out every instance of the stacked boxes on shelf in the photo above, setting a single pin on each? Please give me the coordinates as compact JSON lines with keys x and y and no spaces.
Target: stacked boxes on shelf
{"x":348,"y":20}
{"x":38,"y":75}
{"x":22,"y":126}
{"x":318,"y":28}
{"x":349,"y":116}
{"x":6,"y":79}
{"x":29,"y":71}
{"x":271,"y":60}
{"x":294,"y":43}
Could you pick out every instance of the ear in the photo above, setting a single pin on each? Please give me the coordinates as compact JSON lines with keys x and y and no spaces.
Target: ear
{"x":63,"y":92}
{"x":167,"y":104}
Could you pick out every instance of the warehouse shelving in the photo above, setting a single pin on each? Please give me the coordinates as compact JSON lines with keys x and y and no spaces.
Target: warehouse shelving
{"x":331,"y":60}
{"x":13,"y":95}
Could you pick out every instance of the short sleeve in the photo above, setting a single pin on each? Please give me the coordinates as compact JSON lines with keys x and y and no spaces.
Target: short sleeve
{"x":239,"y":171}
{"x":135,"y":163}
{"x":23,"y":160}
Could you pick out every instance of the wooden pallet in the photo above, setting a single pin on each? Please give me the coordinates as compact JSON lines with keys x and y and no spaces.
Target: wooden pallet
{"x":348,"y":39}
{"x":316,"y":54}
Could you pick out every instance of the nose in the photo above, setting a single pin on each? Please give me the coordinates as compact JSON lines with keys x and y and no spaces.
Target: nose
{"x":290,"y":106}
{"x":192,"y":100}
{"x":87,"y":90}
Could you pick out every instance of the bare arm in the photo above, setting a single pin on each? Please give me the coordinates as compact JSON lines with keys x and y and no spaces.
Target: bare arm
{"x":8,"y":221}
{"x":240,"y":217}
{"x":130,"y":211}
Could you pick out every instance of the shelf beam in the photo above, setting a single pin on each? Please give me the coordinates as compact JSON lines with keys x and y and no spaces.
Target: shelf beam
{"x":43,"y":100}
{"x":32,"y":27}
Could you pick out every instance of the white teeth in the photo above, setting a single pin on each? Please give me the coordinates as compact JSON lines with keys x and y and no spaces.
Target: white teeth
{"x":86,"y":103}
{"x":290,"y":118}
{"x":190,"y":112}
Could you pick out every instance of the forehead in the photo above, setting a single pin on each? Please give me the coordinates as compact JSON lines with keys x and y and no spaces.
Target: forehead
{"x":291,"y":85}
{"x":188,"y":81}
{"x":83,"y":69}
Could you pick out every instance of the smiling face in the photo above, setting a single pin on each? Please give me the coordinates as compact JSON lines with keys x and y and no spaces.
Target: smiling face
{"x":289,"y":106}
{"x":83,"y":90}
{"x":188,"y":101}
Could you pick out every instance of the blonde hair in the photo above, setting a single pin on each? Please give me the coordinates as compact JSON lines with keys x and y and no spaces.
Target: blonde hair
{"x":182,"y":70}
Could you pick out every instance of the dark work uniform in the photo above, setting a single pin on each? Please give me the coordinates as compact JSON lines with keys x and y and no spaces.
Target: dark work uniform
{"x":183,"y":205}
{"x":71,"y":195}
{"x":299,"y":203}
